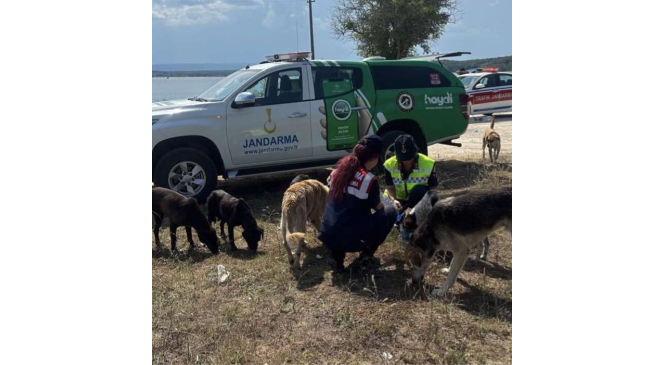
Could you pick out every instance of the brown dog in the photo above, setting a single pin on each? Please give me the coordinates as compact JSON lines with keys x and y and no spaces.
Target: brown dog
{"x":492,"y":140}
{"x":303,"y":201}
{"x":181,"y":211}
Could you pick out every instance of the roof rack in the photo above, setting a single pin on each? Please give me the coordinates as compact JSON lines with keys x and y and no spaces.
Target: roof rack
{"x":436,"y":56}
{"x":372,"y":58}
{"x":288,"y":57}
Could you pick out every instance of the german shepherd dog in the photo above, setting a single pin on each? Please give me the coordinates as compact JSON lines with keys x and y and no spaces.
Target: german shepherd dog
{"x":420,"y":212}
{"x":181,"y":211}
{"x":303,"y":201}
{"x":455,"y":224}
{"x":234,"y":212}
{"x":492,"y":140}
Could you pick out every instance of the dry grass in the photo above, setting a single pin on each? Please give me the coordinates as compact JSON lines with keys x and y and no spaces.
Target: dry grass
{"x":266,"y":314}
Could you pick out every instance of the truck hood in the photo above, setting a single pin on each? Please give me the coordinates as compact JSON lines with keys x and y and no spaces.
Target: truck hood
{"x":162,"y":106}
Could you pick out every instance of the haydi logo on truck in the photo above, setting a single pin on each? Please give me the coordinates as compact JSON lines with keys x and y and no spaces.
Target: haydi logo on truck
{"x":341,"y":109}
{"x":439,"y":102}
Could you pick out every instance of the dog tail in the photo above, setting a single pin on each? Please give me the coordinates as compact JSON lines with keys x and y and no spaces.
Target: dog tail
{"x":293,"y":238}
{"x":493,"y":120}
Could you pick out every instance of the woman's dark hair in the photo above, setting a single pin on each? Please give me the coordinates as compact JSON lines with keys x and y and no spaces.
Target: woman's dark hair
{"x":347,"y":167}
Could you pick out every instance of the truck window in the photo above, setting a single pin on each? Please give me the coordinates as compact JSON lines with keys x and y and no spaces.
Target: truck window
{"x":322,"y":74}
{"x":407,"y":77}
{"x":278,"y":88}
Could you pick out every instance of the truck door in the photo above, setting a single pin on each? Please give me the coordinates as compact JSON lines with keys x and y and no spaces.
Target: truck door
{"x":505,"y":92}
{"x":485,"y":98}
{"x":278,"y":127}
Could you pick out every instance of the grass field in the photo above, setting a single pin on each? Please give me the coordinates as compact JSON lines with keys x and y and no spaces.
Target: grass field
{"x":266,"y":314}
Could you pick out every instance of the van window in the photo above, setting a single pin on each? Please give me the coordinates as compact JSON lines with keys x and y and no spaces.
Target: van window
{"x":407,"y":77}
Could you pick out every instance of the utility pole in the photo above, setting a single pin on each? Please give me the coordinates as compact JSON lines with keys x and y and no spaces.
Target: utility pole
{"x":311,"y":30}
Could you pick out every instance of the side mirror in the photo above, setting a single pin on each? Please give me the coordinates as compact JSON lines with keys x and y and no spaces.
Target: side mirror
{"x":479,"y":86}
{"x":245,"y":99}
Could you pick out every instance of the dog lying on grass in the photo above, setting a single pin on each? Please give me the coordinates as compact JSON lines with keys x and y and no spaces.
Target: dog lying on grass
{"x":456,"y":224}
{"x":234,"y":212}
{"x":303,"y":201}
{"x":181,"y":211}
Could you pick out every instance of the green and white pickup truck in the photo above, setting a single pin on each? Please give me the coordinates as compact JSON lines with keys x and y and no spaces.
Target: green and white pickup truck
{"x":290,"y":113}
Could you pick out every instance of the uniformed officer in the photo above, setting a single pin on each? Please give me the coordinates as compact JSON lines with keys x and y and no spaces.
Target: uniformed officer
{"x":348,"y":222}
{"x":408,"y":174}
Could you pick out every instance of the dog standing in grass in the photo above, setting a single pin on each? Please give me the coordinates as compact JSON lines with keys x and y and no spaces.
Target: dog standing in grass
{"x":421,"y":210}
{"x":491,"y":139}
{"x":181,"y":211}
{"x":234,"y":212}
{"x":456,"y":224}
{"x":303,"y":201}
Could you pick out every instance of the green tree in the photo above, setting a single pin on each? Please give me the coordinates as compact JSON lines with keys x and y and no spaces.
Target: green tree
{"x":392,"y":28}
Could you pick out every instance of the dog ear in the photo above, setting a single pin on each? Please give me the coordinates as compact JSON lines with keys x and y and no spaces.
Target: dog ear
{"x":434,"y":199}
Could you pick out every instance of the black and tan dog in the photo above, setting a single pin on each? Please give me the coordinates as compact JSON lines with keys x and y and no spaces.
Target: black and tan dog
{"x":456,"y":224}
{"x":235,"y":212}
{"x":422,"y":209}
{"x":491,"y":139}
{"x":181,"y":211}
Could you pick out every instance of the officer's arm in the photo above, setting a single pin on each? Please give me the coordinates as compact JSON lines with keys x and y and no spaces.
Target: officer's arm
{"x":392,"y":192}
{"x":374,"y":196}
{"x":389,"y":185}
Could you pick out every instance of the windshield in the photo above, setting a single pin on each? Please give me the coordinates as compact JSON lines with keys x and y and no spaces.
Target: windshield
{"x":226,"y":86}
{"x":467,"y":80}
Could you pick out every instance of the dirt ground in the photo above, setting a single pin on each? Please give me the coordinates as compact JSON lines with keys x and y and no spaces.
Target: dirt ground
{"x":471,"y":141}
{"x":267,"y":314}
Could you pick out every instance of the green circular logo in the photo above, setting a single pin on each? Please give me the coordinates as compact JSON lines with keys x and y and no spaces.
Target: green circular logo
{"x":341,"y":109}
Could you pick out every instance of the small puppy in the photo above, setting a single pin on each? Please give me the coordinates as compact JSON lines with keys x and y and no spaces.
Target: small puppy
{"x":492,"y":140}
{"x":236,"y":212}
{"x":181,"y":211}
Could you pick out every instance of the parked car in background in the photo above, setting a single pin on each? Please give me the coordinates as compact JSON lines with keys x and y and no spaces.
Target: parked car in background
{"x":489,"y":92}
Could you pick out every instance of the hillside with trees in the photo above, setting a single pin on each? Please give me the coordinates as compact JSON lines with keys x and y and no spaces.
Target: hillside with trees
{"x":503,"y":63}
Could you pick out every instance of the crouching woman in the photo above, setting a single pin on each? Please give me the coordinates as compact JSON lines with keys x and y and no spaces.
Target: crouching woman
{"x":348,"y":222}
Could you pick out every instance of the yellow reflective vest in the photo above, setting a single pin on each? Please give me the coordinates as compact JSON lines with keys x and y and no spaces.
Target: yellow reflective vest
{"x":419,"y":176}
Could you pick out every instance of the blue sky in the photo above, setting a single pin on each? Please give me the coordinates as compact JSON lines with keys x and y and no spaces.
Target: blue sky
{"x":245,"y":31}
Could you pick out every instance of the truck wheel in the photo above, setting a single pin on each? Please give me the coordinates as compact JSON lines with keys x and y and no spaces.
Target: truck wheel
{"x":388,"y":149}
{"x":188,"y":172}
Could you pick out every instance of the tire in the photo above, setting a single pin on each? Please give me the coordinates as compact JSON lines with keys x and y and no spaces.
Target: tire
{"x":193,"y":173}
{"x":388,"y":144}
